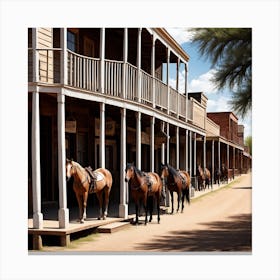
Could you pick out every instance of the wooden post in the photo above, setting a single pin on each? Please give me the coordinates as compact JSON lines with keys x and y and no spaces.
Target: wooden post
{"x":138,"y":140}
{"x":123,"y":207}
{"x":139,"y":65}
{"x":63,"y":57}
{"x":186,"y":90}
{"x":153,"y":71}
{"x":36,"y":170}
{"x":177,"y":147}
{"x":167,"y":80}
{"x":152,"y":144}
{"x":125,"y":46}
{"x":102,"y":136}
{"x":102,"y":59}
{"x":186,"y":151}
{"x":63,"y":212}
{"x":213,"y":168}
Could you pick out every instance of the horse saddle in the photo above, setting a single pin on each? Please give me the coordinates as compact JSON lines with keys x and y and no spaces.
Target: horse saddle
{"x":184,"y":183}
{"x":95,"y":177}
{"x":149,"y":181}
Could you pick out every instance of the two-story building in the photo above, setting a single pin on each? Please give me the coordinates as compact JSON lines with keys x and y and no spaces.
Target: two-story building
{"x":103,"y":97}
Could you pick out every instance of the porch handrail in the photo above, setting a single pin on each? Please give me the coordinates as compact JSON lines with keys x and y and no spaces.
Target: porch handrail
{"x":83,"y":71}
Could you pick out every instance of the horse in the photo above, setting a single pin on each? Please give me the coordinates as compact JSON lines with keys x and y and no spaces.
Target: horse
{"x":204,"y":178}
{"x":144,"y":186}
{"x":85,"y":182}
{"x":224,"y":173}
{"x":178,"y":181}
{"x":217,"y":176}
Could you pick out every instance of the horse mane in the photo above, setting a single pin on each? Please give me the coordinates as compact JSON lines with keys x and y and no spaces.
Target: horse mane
{"x":136,"y":170}
{"x":172,"y":170}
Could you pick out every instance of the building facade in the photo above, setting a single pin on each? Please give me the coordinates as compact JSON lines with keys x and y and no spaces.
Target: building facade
{"x":103,"y":97}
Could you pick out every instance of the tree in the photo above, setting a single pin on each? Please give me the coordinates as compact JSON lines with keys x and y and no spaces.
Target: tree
{"x":248,"y":142}
{"x":230,"y":51}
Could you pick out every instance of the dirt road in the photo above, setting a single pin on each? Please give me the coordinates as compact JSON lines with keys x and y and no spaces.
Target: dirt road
{"x":218,"y":221}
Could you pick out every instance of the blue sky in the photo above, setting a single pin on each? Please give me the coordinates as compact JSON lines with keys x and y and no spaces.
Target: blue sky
{"x":199,"y":75}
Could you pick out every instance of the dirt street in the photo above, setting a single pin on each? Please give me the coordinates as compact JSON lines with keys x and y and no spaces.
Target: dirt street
{"x":218,"y":221}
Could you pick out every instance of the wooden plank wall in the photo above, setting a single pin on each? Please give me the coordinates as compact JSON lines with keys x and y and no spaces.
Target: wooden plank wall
{"x":45,"y":41}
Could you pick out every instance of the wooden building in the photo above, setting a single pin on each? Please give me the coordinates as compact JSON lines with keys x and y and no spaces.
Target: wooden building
{"x":103,"y":97}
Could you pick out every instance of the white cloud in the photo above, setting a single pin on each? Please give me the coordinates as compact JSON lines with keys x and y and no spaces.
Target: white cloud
{"x":220,"y":104}
{"x":181,"y":35}
{"x":203,"y":83}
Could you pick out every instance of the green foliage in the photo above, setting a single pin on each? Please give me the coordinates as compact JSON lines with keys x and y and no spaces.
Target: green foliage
{"x":230,"y":51}
{"x":248,"y":142}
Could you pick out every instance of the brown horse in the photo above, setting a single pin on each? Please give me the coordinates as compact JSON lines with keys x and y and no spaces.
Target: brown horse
{"x":203,"y":178}
{"x":178,"y":181}
{"x":85,"y":184}
{"x":144,"y":187}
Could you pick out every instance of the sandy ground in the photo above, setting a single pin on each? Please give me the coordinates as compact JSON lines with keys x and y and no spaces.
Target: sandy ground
{"x":218,"y":221}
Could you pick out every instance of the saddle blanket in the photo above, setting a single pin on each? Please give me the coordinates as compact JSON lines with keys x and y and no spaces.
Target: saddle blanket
{"x":98,"y":176}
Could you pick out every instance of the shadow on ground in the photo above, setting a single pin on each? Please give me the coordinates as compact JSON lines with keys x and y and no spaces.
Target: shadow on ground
{"x":234,"y":235}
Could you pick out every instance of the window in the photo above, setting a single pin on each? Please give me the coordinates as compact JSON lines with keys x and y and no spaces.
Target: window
{"x":71,"y":41}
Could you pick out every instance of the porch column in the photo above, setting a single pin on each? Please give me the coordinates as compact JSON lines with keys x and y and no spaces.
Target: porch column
{"x":241,"y":161}
{"x":167,"y":79}
{"x":63,"y":212}
{"x":219,"y":155}
{"x":228,"y":157}
{"x":138,"y":140}
{"x":63,"y":57}
{"x":233,"y":163}
{"x":204,"y":152}
{"x":36,"y":171}
{"x":102,"y":136}
{"x":167,"y":143}
{"x":163,"y":153}
{"x":153,"y":71}
{"x":186,"y":90}
{"x":177,"y":147}
{"x":191,"y":153}
{"x":194,"y":158}
{"x":177,"y":84}
{"x":102,"y":59}
{"x":139,"y":65}
{"x":123,"y":207}
{"x":125,"y":47}
{"x":186,"y":151}
{"x":35,"y":73}
{"x":213,"y":162}
{"x":152,"y":144}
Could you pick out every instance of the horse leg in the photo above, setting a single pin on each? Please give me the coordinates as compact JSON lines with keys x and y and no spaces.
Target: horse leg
{"x":146,"y":208}
{"x":85,"y":198}
{"x":172,"y":199}
{"x":107,"y":193}
{"x":179,"y":194}
{"x":183,"y":197}
{"x":158,"y":207}
{"x":79,"y":199}
{"x":150,"y":205}
{"x":100,"y":199}
{"x":136,"y":212}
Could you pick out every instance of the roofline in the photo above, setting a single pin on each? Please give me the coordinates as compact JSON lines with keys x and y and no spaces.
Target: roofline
{"x":228,"y":112}
{"x":162,"y":32}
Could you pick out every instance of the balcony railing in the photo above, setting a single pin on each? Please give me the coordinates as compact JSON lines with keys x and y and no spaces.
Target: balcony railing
{"x":85,"y":73}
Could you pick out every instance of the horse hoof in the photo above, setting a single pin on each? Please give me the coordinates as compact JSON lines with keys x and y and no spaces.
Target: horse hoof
{"x":99,"y":218}
{"x":82,"y":221}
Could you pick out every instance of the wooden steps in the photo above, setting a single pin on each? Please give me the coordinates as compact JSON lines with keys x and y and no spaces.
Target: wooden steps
{"x":113,"y":227}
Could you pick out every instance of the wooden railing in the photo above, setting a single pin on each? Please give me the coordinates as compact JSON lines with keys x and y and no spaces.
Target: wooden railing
{"x":84,"y":73}
{"x":113,"y":78}
{"x":160,"y":94}
{"x":146,"y":88}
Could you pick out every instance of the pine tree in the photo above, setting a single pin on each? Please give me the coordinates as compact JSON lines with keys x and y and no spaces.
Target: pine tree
{"x":230,"y":51}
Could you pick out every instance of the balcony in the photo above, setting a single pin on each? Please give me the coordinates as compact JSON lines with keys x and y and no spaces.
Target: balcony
{"x":120,"y":81}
